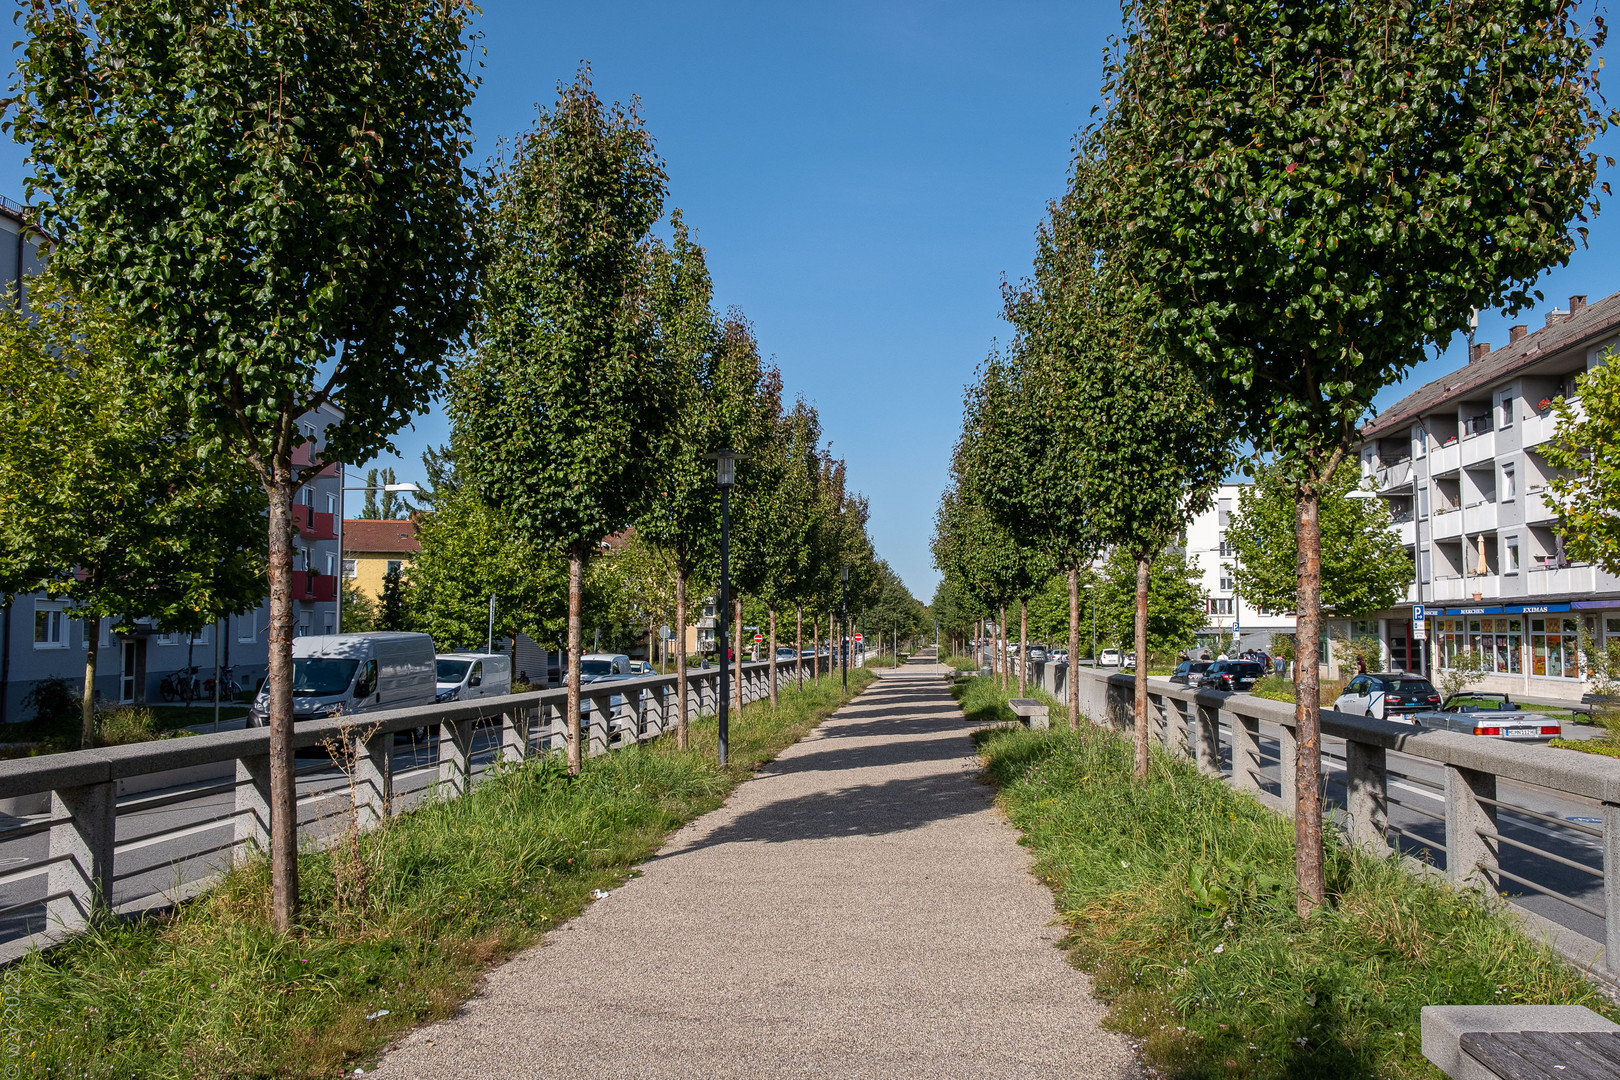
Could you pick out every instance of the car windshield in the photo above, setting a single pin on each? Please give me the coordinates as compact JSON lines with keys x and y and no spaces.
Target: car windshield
{"x":321,"y":677}
{"x":453,"y":670}
{"x":595,"y":667}
{"x":1200,"y":665}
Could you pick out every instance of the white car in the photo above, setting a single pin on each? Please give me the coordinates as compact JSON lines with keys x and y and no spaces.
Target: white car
{"x":463,"y":676}
{"x":1109,"y":658}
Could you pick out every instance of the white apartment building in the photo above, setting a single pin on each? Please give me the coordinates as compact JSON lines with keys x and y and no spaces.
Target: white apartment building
{"x":1459,"y":462}
{"x":1230,"y":616}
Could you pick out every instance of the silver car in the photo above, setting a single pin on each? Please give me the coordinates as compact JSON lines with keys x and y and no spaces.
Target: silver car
{"x":1491,"y":716}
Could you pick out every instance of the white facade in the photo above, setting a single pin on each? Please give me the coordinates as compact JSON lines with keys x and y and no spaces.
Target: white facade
{"x":1460,"y":463}
{"x":1229,"y":614}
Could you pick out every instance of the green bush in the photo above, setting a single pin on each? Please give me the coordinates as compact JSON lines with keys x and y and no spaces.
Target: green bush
{"x":1178,"y":894}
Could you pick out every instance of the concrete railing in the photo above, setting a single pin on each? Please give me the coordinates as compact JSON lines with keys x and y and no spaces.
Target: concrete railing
{"x":175,"y":841}
{"x":1525,"y":819}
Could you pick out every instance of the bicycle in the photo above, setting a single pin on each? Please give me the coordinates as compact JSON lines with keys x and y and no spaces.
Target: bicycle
{"x":229,"y":688}
{"x":182,"y":685}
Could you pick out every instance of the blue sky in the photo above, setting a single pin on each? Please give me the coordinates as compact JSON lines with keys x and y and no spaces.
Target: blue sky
{"x":862,"y":175}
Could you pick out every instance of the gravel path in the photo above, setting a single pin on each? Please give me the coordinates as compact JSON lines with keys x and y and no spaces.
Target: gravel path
{"x":857,"y":910}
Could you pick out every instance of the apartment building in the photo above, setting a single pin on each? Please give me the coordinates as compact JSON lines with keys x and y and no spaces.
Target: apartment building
{"x":1459,"y":461}
{"x":1230,"y":615}
{"x":374,"y":548}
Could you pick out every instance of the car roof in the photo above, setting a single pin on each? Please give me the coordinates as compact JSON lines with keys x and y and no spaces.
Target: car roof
{"x":605,"y":656}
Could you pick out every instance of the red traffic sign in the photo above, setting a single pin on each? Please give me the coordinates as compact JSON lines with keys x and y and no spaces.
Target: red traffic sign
{"x":860,"y":637}
{"x":758,"y":638}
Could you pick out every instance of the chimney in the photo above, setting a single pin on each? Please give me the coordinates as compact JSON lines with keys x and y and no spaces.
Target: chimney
{"x":1555,"y":316}
{"x":1577,"y":304}
{"x":1516,"y":334}
{"x":1481,"y":351}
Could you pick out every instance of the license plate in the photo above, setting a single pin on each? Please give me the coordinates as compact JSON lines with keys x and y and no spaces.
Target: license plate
{"x":1522,"y":733}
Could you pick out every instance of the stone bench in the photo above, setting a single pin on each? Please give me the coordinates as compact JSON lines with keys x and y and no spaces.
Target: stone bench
{"x":1520,"y":1042}
{"x":1031,"y":713}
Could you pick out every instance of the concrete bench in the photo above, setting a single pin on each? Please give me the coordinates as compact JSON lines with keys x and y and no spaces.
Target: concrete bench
{"x":1031,"y":713}
{"x":1520,"y":1042}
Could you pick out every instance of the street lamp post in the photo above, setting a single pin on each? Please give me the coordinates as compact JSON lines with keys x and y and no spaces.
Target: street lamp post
{"x":843,"y":616}
{"x":337,"y":623}
{"x":725,"y":474}
{"x":1092,"y":602}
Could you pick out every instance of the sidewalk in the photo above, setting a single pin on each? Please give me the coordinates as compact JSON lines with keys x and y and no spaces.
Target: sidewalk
{"x":857,"y":910}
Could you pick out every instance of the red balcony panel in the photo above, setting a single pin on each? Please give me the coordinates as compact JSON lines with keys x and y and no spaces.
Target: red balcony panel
{"x":321,"y":527}
{"x":301,"y":454}
{"x":323,"y":588}
{"x":300,"y":517}
{"x":300,"y":585}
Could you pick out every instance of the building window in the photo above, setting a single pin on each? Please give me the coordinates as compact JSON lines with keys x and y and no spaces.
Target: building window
{"x":1226,"y":548}
{"x":331,"y":503}
{"x":349,"y":569}
{"x":1555,"y":648}
{"x":331,"y":561}
{"x":1499,"y":640}
{"x":1505,"y":410}
{"x":331,"y":623}
{"x":1510,"y":555}
{"x":301,"y":630}
{"x":1226,"y":579}
{"x":394,"y":566}
{"x":50,"y":625}
{"x":247,"y":627}
{"x":1220,"y":605}
{"x":169,"y":638}
{"x":1510,"y":483}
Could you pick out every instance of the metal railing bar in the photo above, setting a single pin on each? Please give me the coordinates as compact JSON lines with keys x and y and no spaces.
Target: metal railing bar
{"x":1573,"y":826}
{"x":1419,"y":837}
{"x":42,"y":901}
{"x":1544,"y":891}
{"x":1540,"y":854}
{"x":157,"y":802}
{"x":1430,"y":814}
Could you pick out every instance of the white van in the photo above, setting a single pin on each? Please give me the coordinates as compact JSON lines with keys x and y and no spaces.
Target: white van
{"x":355,"y":673}
{"x":464,"y":675}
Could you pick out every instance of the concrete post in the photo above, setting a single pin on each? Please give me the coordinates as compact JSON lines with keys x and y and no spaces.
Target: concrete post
{"x":252,"y":806}
{"x":1611,"y":886}
{"x":1288,"y":764}
{"x":455,"y":756}
{"x":601,"y":734}
{"x":1367,"y":798}
{"x":1246,"y":753}
{"x":1207,"y":739}
{"x":1176,"y":727}
{"x":373,"y":778}
{"x":556,"y":724}
{"x":515,"y":735}
{"x":1470,"y":857}
{"x":81,"y":852}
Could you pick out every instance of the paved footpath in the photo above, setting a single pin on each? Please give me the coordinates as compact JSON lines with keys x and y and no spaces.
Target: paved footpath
{"x":858,"y":909}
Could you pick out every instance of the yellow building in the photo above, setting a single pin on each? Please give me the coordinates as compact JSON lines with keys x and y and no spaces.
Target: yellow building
{"x":372,"y":548}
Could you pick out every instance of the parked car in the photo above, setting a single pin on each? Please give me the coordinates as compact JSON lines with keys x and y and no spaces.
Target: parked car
{"x":355,"y":673}
{"x":1188,"y":672}
{"x":785,"y":652}
{"x":1130,"y":659}
{"x":1492,"y":716}
{"x":463,"y":676}
{"x":1037,"y":654}
{"x":1388,"y":695}
{"x":1230,"y":675}
{"x":1109,"y":658}
{"x":594,"y":667}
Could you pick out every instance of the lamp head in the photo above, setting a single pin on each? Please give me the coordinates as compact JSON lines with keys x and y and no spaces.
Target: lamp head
{"x":843,"y":575}
{"x":725,"y":467}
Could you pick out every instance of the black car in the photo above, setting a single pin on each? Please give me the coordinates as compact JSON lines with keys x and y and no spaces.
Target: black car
{"x":1232,"y":675}
{"x":1189,"y":672}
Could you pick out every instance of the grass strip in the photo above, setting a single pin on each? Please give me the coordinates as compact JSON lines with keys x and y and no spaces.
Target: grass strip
{"x":397,"y":925}
{"x":1178,"y":892}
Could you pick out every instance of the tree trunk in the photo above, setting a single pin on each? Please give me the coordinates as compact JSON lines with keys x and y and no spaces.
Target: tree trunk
{"x":681,"y":728}
{"x":773,"y":656}
{"x":1074,"y":648}
{"x":87,"y":705}
{"x":736,"y":635}
{"x":576,"y":633}
{"x":815,"y":647}
{"x":283,"y":780}
{"x":798,"y":644}
{"x":1023,"y":646}
{"x":1307,"y":710}
{"x":1006,"y":656}
{"x":1143,"y":567}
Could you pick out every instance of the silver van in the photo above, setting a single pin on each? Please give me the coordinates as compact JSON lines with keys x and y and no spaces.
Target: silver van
{"x":355,"y":673}
{"x":464,"y":676}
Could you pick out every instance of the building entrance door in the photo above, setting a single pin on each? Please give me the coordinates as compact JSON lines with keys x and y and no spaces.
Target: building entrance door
{"x":126,"y":674}
{"x":1405,"y":653}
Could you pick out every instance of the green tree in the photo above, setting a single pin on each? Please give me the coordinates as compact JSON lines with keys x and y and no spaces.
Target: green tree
{"x":1364,"y":565}
{"x":360,"y":613}
{"x":303,"y":164}
{"x":469,"y":554}
{"x":564,"y":394}
{"x":1309,"y":195}
{"x":1176,"y":605}
{"x":1585,"y":449}
{"x":391,"y":611}
{"x":105,"y":497}
{"x":382,"y":504}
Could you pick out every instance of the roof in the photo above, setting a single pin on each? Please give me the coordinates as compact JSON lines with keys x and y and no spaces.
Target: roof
{"x":1592,"y":323}
{"x":370,"y":534}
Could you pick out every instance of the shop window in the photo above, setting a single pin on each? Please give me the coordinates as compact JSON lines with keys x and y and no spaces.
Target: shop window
{"x":1555,"y":648}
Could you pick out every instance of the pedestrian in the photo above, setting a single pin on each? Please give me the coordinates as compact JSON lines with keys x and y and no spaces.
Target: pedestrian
{"x":1361,"y":667}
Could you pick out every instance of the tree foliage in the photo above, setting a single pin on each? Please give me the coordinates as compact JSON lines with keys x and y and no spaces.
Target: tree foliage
{"x":1176,"y":602}
{"x":1364,"y":565}
{"x":1585,"y":449}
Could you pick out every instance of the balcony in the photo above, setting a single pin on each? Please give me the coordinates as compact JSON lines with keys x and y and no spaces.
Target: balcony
{"x":301,"y":517}
{"x":1557,"y":580}
{"x":1478,"y":448}
{"x":1480,"y":517}
{"x":1396,"y":476}
{"x":1446,"y":588}
{"x":1407,"y":530}
{"x":1444,"y":459}
{"x":1540,"y":425}
{"x":1446,"y":525}
{"x":321,"y":588}
{"x":321,"y":527}
{"x":1538,"y":508}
